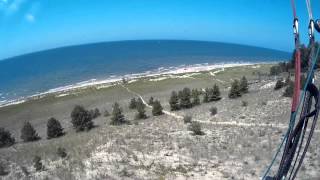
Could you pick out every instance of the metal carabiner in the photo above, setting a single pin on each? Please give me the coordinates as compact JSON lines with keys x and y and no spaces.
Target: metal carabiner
{"x":296,"y":26}
{"x":311,"y":29}
{"x":317,"y":25}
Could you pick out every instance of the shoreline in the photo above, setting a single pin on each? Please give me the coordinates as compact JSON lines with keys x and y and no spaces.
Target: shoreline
{"x":114,"y":80}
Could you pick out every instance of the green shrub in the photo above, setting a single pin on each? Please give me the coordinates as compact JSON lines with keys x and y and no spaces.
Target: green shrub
{"x":187,"y":119}
{"x":61,"y":152}
{"x":81,"y":119}
{"x":6,"y":139}
{"x":37,"y":164}
{"x":3,"y":169}
{"x":195,"y":127}
{"x":244,"y":103}
{"x":213,"y":111}
{"x":28,"y":133}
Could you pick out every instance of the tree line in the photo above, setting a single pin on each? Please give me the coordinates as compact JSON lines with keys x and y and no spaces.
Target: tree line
{"x":82,"y":119}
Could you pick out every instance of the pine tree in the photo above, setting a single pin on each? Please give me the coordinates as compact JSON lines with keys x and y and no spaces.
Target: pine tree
{"x":28,"y":133}
{"x":133,"y":103}
{"x":81,"y":119}
{"x":54,"y":128}
{"x":6,"y":139}
{"x":174,"y":101}
{"x":235,"y":90}
{"x":216,"y":95}
{"x":244,"y":87}
{"x":141,"y":110}
{"x":185,"y":98}
{"x":157,"y":108}
{"x":195,"y":97}
{"x":206,"y":96}
{"x":150,"y":102}
{"x":117,"y":116}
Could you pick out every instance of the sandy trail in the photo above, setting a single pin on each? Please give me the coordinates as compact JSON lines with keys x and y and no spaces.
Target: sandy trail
{"x":213,"y":74}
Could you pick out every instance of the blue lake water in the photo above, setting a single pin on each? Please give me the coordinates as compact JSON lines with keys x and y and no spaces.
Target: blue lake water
{"x":41,"y":71}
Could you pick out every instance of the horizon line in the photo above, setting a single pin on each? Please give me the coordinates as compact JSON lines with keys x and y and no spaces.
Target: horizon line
{"x":115,"y":41}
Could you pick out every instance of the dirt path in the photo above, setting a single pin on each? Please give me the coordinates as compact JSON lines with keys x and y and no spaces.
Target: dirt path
{"x":213,"y":74}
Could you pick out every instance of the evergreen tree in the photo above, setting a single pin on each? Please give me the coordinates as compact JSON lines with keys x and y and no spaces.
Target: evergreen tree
{"x":206,"y":95}
{"x":81,"y":119}
{"x":215,"y":95}
{"x":185,"y":98}
{"x":150,"y":102}
{"x":195,"y":97}
{"x":244,"y":87}
{"x":235,"y":90}
{"x":6,"y":139}
{"x":117,"y":116}
{"x":28,"y":133}
{"x":141,"y":110}
{"x":61,"y":152}
{"x":54,"y":128}
{"x":157,"y":108}
{"x":133,"y":103}
{"x":174,"y":101}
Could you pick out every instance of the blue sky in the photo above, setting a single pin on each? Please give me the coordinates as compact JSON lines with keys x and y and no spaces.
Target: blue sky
{"x":33,"y":25}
